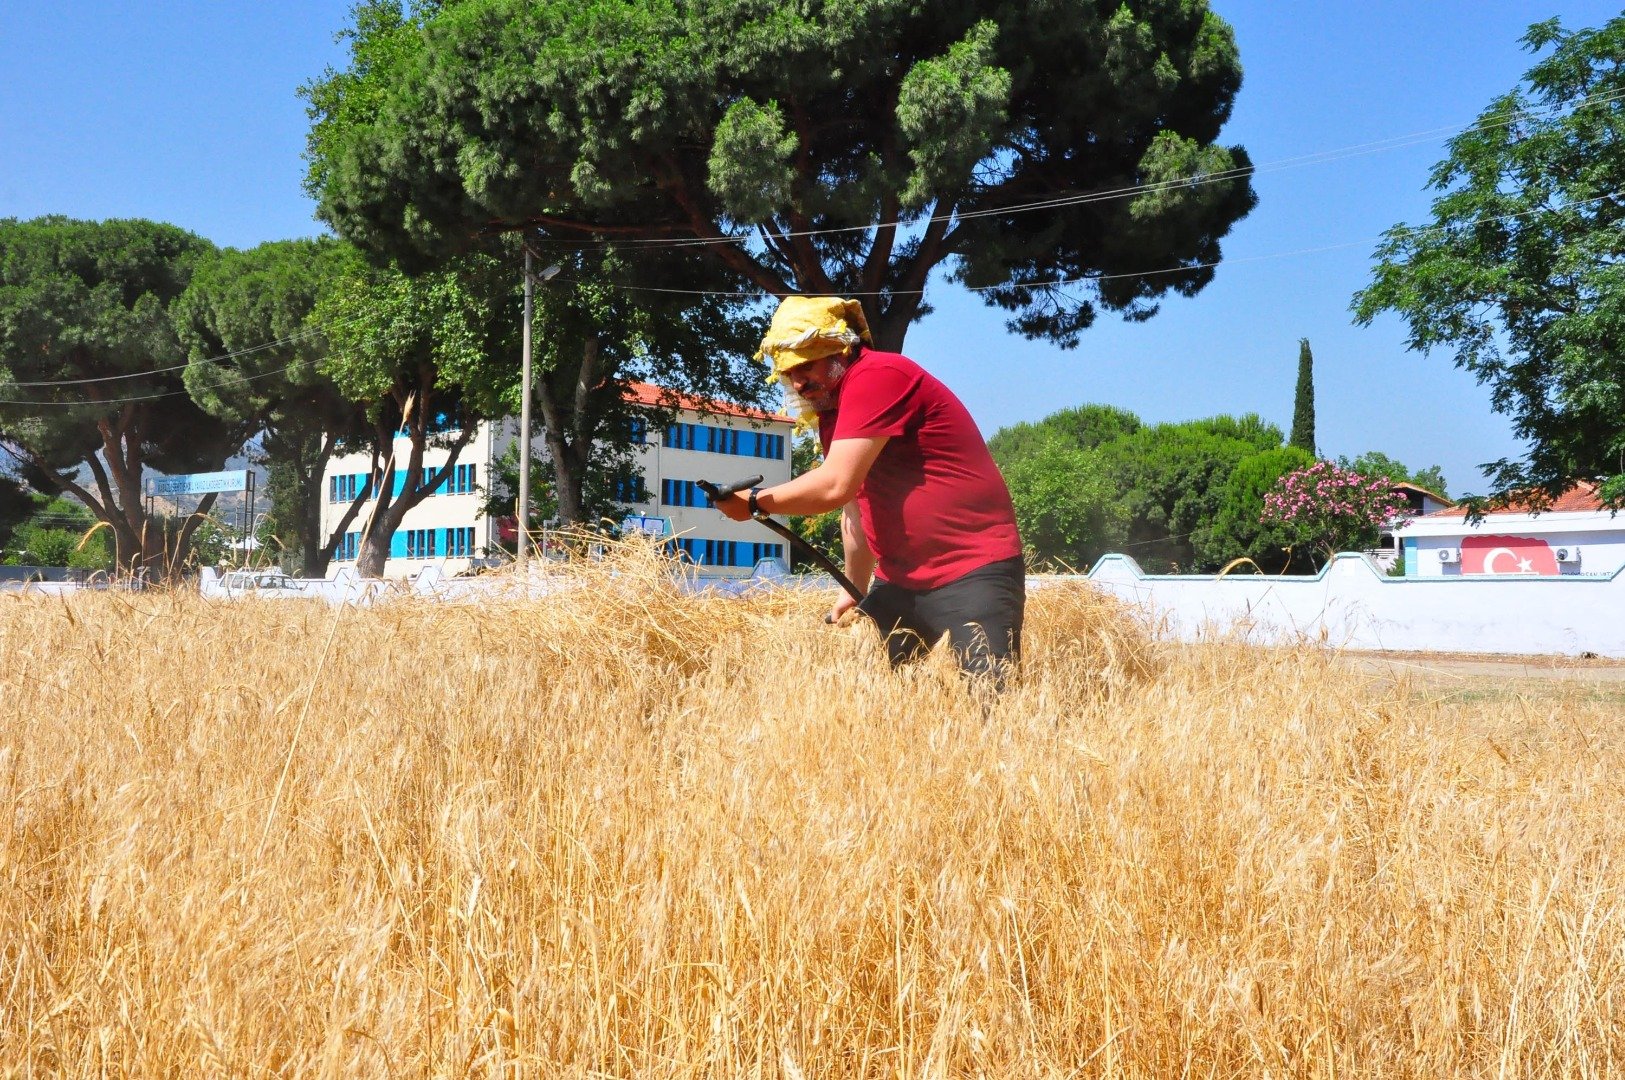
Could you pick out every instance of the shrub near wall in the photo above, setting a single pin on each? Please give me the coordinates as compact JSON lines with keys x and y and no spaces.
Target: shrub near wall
{"x":1239,"y":530}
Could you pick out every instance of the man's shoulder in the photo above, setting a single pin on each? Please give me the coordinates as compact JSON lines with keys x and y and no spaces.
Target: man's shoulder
{"x":875,"y":360}
{"x":886,"y":371}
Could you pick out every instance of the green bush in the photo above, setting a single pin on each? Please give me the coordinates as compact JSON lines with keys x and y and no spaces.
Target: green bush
{"x":33,"y":545}
{"x":1237,"y":530}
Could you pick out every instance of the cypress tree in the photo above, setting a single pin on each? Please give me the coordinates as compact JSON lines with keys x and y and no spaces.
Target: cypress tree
{"x":1303,"y":409}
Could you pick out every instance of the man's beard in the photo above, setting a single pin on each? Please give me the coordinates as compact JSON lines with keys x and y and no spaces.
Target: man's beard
{"x":818,"y":394}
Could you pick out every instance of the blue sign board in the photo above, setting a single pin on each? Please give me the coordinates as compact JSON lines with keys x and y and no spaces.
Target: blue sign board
{"x":198,"y":483}
{"x":649,"y":526}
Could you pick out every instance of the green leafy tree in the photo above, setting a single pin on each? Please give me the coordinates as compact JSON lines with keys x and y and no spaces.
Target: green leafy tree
{"x":1066,"y":507}
{"x":91,"y":393}
{"x":1249,"y":428}
{"x":604,"y":323}
{"x":255,"y":357}
{"x":60,"y":532}
{"x":1091,"y":479}
{"x":1238,"y":530}
{"x":17,"y":503}
{"x":212,"y":544}
{"x":38,"y":546}
{"x":1085,"y":427}
{"x":818,"y":147}
{"x":1376,"y":463}
{"x":1520,"y":273}
{"x":1303,"y":404}
{"x":428,"y":358}
{"x":1170,"y":481}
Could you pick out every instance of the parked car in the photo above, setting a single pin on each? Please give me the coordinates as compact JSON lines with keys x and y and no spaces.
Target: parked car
{"x":262,"y":585}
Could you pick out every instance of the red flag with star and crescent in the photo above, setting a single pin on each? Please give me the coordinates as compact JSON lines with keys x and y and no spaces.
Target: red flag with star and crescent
{"x":1507,"y":555}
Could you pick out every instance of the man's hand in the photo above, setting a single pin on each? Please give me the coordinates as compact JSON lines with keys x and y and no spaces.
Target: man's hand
{"x":843,"y":604}
{"x":736,"y":506}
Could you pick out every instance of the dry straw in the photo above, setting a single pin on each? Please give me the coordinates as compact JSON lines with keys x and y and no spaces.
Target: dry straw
{"x":627,"y":832}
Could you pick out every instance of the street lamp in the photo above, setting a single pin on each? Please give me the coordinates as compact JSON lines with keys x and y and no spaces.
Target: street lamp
{"x":522,"y":541}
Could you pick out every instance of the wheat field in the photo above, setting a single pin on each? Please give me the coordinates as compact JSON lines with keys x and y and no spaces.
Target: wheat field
{"x":627,"y":833}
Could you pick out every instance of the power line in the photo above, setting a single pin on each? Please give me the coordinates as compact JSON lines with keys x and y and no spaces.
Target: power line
{"x":1081,"y":198}
{"x":1052,"y":284}
{"x":1318,"y":157}
{"x":1156,"y":271}
{"x":167,"y":393}
{"x":249,"y":351}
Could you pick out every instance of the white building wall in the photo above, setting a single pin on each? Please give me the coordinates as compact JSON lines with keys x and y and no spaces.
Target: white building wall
{"x":436,"y":513}
{"x":692,"y":525}
{"x":1592,"y":543}
{"x":702,"y":522}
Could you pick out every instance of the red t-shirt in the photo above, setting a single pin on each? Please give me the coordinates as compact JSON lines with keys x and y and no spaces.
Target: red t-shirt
{"x":934,"y":505}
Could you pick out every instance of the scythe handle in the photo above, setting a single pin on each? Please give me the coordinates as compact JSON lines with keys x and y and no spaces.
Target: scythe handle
{"x":718,"y":492}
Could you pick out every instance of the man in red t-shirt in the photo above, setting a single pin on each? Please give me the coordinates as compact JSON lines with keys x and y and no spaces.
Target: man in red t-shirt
{"x":926,"y":513}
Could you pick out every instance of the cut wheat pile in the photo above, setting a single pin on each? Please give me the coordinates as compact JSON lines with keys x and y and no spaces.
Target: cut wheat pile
{"x":627,"y":833}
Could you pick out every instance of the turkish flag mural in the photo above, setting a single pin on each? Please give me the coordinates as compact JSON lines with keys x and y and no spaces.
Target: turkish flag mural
{"x":1506,"y":555}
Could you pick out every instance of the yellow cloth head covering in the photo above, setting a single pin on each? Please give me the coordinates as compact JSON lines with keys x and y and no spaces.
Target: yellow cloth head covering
{"x":807,"y":328}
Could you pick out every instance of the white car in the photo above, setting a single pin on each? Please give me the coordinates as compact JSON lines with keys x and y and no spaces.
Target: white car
{"x":262,"y":585}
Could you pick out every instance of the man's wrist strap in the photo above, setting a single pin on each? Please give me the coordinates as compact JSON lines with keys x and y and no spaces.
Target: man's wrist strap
{"x":755,"y":510}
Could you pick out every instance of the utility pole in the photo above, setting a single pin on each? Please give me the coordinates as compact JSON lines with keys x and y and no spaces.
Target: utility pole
{"x":522,"y":541}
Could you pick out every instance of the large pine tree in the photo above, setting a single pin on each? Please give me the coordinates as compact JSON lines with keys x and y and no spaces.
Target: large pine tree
{"x":1061,"y":157}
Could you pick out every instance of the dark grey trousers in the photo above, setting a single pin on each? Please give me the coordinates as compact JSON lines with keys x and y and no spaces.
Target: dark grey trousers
{"x":981,"y":613}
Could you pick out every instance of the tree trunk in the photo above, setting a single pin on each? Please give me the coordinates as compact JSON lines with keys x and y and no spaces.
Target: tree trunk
{"x":390,"y":508}
{"x":569,"y":433}
{"x":569,"y":477}
{"x":323,"y":556}
{"x":172,"y":558}
{"x":316,"y":550}
{"x":890,"y":328}
{"x":313,"y":554}
{"x":374,"y":552}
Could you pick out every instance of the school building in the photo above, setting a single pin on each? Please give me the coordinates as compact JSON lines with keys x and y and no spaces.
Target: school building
{"x":707,"y":439}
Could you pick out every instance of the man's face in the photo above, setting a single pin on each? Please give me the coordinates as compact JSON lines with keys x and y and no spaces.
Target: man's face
{"x":818,"y":381}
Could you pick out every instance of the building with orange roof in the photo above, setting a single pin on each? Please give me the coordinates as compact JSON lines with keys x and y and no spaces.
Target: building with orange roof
{"x":1574,"y":535}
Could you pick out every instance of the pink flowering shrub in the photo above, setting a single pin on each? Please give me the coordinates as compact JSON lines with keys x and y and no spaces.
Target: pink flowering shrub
{"x":1330,"y":509}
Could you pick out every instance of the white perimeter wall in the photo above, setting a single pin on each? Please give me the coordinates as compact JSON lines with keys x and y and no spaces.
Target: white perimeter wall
{"x":1350,"y":604}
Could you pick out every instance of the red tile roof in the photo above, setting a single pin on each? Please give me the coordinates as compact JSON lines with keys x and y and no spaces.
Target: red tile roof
{"x":643,"y":393}
{"x":1581,"y":498}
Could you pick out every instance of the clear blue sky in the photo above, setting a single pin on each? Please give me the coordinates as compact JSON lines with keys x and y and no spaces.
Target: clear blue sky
{"x":186,"y":112}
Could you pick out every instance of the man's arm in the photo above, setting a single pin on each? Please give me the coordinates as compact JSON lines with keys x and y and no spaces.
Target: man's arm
{"x":833,"y":484}
{"x":859,"y":558}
